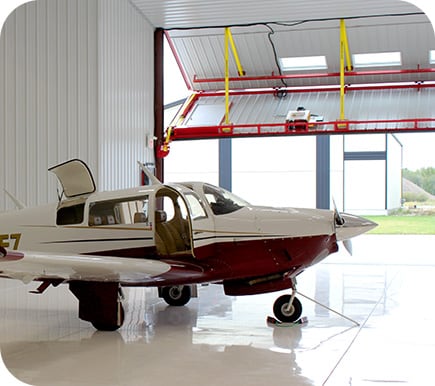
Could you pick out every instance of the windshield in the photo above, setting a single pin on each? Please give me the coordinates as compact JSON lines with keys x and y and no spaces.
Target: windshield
{"x":221,"y":201}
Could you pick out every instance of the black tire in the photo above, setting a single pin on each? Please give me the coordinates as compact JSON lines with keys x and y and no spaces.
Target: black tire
{"x":279,"y":309}
{"x":108,"y":326}
{"x":177,"y":295}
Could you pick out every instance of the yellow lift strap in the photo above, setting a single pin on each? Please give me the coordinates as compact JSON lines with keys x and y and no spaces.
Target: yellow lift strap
{"x":229,"y":41}
{"x":344,"y":57}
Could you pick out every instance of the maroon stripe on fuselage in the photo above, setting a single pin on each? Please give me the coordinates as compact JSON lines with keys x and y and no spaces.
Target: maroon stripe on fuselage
{"x":261,"y":257}
{"x":237,"y":259}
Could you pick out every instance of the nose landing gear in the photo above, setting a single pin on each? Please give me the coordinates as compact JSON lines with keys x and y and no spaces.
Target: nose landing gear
{"x":287,"y":308}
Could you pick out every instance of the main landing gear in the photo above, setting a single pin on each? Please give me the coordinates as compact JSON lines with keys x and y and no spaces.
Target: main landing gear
{"x":100,"y":304}
{"x":178,"y":295}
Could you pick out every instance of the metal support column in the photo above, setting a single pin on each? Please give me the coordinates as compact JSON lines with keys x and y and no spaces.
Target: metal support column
{"x":158,"y":99}
{"x":323,"y":172}
{"x":225,"y":163}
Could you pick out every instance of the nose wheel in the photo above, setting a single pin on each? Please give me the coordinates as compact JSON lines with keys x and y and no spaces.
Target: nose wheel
{"x":287,"y":308}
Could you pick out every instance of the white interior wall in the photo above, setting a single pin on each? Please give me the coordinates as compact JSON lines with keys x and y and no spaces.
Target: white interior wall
{"x":394,"y":173}
{"x":364,"y":183}
{"x":48,"y":95}
{"x":365,"y":180}
{"x":126,"y":91}
{"x":76,"y":81}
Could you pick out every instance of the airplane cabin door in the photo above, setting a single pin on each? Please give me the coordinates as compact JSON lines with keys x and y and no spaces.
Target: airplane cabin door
{"x":203,"y":226}
{"x":173,"y":225}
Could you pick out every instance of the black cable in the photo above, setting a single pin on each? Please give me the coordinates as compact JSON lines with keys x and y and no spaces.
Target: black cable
{"x":275,"y":54}
{"x":292,"y":24}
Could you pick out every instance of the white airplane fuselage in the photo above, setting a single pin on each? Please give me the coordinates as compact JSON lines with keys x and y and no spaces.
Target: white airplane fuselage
{"x":166,"y":236}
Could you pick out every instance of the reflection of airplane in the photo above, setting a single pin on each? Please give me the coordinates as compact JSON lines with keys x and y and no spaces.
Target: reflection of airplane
{"x":172,"y":236}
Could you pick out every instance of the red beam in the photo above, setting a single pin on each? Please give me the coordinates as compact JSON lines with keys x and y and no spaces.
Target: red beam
{"x":314,"y":128}
{"x":315,"y":75}
{"x":350,"y":87}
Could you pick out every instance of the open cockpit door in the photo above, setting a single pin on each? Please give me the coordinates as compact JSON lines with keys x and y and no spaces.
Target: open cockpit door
{"x":173,"y":226}
{"x":75,"y":177}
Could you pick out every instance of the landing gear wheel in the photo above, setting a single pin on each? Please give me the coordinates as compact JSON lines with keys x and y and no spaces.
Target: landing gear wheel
{"x":282,"y":313}
{"x":110,"y":326}
{"x":176,"y":295}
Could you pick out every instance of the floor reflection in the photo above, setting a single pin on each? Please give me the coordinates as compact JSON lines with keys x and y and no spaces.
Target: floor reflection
{"x":170,"y":348}
{"x":218,"y":339}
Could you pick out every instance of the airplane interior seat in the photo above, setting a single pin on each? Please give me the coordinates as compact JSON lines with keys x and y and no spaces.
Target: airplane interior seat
{"x":164,"y":241}
{"x":95,"y":220}
{"x":139,"y":217}
{"x":109,"y":219}
{"x":176,"y":235}
{"x":168,"y":241}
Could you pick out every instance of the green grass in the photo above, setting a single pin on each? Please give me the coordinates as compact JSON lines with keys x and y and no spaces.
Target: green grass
{"x":402,"y":225}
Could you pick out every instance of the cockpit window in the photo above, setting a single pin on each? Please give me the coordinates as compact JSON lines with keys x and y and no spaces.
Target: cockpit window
{"x":221,"y":201}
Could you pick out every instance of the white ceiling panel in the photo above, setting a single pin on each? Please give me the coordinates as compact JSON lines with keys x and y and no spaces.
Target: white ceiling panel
{"x":169,"y":14}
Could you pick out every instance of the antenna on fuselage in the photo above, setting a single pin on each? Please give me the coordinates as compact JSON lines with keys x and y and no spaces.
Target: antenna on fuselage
{"x":19,"y":204}
{"x":152,"y":179}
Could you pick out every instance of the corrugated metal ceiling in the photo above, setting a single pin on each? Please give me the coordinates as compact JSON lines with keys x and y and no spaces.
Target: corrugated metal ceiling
{"x":201,"y":51}
{"x":169,"y":14}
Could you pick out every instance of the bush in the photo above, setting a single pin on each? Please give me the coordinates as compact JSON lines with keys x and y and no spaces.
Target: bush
{"x":418,"y":197}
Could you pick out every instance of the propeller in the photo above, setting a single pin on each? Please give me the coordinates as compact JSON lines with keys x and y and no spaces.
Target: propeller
{"x":339,"y":221}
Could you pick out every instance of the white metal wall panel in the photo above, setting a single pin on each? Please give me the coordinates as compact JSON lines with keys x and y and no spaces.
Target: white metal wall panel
{"x":126,"y":85}
{"x":48,"y":94}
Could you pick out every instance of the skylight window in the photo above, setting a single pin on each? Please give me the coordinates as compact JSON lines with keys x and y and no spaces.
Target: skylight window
{"x":303,"y":63}
{"x":379,"y":59}
{"x":432,"y":56}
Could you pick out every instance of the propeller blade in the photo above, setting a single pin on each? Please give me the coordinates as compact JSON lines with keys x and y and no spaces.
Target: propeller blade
{"x":348,"y":245}
{"x":339,"y":220}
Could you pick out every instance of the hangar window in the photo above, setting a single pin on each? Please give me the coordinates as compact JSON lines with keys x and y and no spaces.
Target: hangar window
{"x":378,"y":59}
{"x":121,"y":211}
{"x":303,"y":63}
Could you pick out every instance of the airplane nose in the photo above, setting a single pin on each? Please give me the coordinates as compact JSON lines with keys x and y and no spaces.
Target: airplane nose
{"x":353,"y":226}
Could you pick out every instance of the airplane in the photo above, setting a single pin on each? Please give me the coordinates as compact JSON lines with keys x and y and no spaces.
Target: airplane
{"x":173,"y":236}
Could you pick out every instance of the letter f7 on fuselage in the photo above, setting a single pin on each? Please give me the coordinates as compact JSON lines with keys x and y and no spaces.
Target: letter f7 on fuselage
{"x":171,"y":236}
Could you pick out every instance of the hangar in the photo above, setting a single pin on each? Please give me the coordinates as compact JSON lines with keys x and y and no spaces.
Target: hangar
{"x":84,"y":79}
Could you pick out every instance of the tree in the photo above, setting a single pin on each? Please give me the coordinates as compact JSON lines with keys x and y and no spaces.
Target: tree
{"x":424,"y":177}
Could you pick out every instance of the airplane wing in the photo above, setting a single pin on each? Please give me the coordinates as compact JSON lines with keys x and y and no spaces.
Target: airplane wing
{"x":28,"y":266}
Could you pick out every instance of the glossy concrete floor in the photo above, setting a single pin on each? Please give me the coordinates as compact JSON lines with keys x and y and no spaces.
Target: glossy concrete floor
{"x":387,"y":287}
